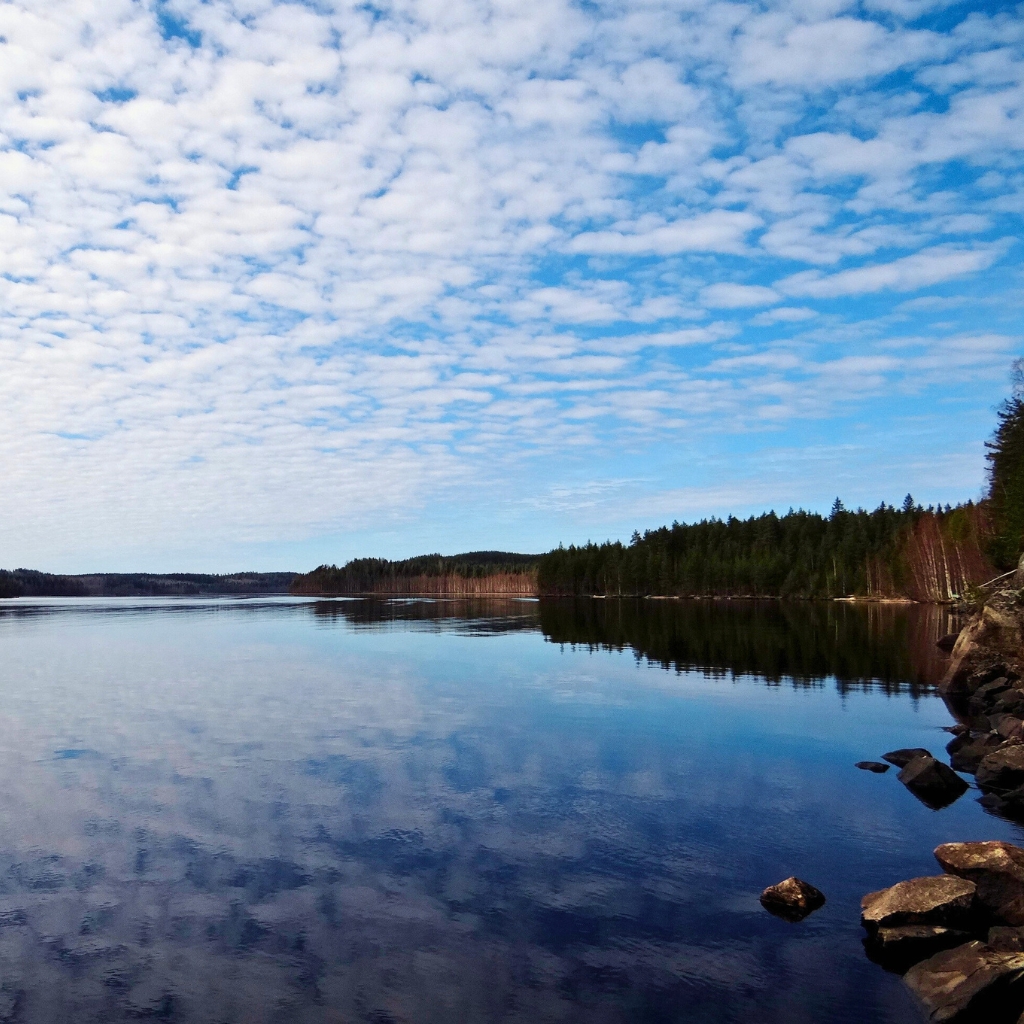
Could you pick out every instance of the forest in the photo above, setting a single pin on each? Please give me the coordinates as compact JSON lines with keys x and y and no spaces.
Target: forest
{"x":472,"y":573}
{"x":933,"y":554}
{"x":926,"y":554}
{"x":30,"y":583}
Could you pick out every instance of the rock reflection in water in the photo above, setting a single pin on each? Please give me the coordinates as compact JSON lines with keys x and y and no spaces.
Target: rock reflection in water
{"x":423,"y":812}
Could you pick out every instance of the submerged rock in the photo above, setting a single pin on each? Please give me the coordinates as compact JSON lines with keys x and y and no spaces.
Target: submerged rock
{"x":932,"y":782}
{"x":872,"y":766}
{"x":945,"y":900}
{"x":903,"y":757}
{"x":792,"y":899}
{"x":971,"y":983}
{"x":996,"y":868}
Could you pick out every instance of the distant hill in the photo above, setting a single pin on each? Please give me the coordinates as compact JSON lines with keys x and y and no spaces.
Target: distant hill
{"x":29,"y":583}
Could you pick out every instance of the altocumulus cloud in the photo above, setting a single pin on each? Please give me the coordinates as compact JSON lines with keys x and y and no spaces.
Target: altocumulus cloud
{"x":276,"y":271}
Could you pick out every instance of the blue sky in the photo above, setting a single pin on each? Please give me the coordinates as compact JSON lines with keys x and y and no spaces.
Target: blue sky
{"x":290,"y":283}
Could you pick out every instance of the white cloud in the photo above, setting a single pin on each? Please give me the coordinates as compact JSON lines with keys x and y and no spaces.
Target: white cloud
{"x":719,"y":231}
{"x":726,"y":295}
{"x":783,"y":315}
{"x":776,"y":50}
{"x":333,"y":264}
{"x":928,"y":267}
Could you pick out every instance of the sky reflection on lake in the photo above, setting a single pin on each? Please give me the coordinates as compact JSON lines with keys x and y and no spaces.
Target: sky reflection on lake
{"x":352,"y":811}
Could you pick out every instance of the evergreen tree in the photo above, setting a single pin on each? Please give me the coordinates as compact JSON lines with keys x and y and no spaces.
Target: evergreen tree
{"x":1006,"y":474}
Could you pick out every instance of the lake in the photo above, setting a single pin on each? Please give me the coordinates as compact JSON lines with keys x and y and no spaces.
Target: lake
{"x":409,"y":811}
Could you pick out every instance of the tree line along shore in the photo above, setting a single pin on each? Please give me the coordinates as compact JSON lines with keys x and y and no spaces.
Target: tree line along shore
{"x":30,"y":583}
{"x":910,"y":553}
{"x":934,"y":554}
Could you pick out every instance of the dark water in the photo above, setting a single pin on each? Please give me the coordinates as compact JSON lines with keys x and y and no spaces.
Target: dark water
{"x":419,"y":812}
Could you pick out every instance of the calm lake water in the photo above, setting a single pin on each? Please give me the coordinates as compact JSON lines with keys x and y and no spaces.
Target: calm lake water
{"x":415,"y":812}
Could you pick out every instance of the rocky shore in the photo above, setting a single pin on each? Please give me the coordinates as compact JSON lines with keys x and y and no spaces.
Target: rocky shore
{"x":984,"y":689}
{"x":958,"y":936}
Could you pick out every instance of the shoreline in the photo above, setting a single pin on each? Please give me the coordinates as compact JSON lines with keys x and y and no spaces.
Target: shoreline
{"x":509,"y":594}
{"x":958,"y":937}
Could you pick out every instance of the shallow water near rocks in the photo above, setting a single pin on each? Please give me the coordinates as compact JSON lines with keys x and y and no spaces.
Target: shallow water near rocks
{"x":439,"y":811}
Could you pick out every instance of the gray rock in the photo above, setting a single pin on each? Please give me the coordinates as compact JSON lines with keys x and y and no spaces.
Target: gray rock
{"x":1009,"y":727}
{"x":996,"y":868}
{"x":1008,"y":805}
{"x":1006,"y":939}
{"x":932,"y":782}
{"x":903,"y":757}
{"x":1011,"y":703}
{"x":937,"y":900}
{"x":901,"y":947}
{"x":1002,"y":769}
{"x":967,"y":751}
{"x":971,"y":983}
{"x":872,"y":766}
{"x":947,"y":642}
{"x":792,"y":899}
{"x":988,"y":694}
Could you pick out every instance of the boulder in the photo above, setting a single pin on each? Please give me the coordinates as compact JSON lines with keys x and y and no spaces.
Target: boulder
{"x":945,"y":900}
{"x":967,"y":752}
{"x":1009,"y":727}
{"x":1006,"y":939}
{"x":996,"y":868}
{"x":932,"y":782}
{"x":898,"y":948}
{"x":1010,"y":702}
{"x":792,"y":899}
{"x":1003,"y":769}
{"x":903,"y":757}
{"x":987,"y":695}
{"x":872,"y":766}
{"x":971,"y":983}
{"x":947,"y":642}
{"x":1007,"y":805}
{"x":988,"y":647}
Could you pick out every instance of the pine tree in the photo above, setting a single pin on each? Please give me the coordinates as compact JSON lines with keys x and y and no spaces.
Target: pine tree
{"x":1006,"y":474}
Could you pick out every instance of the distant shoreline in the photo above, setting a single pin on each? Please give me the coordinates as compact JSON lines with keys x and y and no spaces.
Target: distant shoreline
{"x":31,"y":583}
